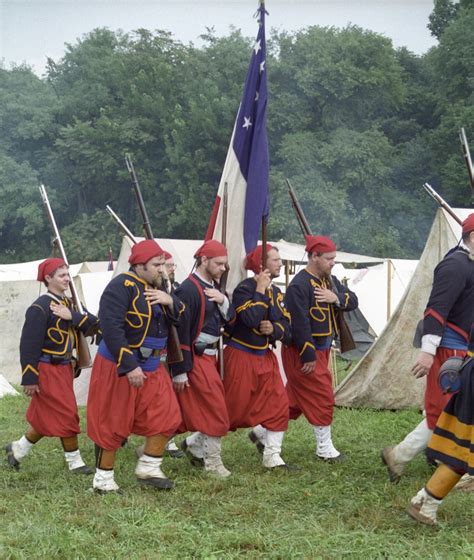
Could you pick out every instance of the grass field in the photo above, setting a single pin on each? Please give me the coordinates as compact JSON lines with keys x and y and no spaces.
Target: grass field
{"x":348,"y":510}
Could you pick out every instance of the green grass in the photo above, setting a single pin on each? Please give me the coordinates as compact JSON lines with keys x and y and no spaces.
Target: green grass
{"x":348,"y":510}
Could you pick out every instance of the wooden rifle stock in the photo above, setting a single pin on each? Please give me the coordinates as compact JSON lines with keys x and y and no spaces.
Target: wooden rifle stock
{"x":346,"y":340}
{"x":175,"y":355}
{"x":84,"y":359}
{"x":441,"y":202}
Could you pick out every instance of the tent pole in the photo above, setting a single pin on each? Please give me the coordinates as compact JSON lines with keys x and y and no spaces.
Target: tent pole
{"x":389,"y":289}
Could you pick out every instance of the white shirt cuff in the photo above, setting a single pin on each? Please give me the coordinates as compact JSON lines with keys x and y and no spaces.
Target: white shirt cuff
{"x":224,"y":307}
{"x":181,"y":378}
{"x":430,"y":343}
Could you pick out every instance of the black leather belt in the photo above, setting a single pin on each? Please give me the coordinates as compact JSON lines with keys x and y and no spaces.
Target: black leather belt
{"x":200,"y":347}
{"x":145,"y":353}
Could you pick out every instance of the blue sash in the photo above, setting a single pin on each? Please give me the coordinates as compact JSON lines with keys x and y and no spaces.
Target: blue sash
{"x":147,"y":364}
{"x":453,"y":340}
{"x":254,"y":351}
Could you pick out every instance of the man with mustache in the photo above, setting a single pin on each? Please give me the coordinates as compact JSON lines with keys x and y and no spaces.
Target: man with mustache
{"x":130,"y":391}
{"x":254,"y":389}
{"x":196,"y":380}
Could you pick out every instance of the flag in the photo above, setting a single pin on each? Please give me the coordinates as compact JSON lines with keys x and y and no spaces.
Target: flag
{"x":246,"y":167}
{"x":111,"y":260}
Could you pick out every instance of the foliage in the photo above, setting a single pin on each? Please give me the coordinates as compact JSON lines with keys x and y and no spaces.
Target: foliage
{"x":357,"y":125}
{"x":348,"y":510}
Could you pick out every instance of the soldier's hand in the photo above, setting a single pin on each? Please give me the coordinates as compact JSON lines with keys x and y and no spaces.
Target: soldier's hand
{"x":323,"y":295}
{"x":61,"y":311}
{"x":180,"y":386}
{"x":266,"y":328}
{"x":422,"y":365}
{"x":160,"y":297}
{"x":136,"y":377}
{"x":308,"y":367}
{"x":214,"y":295}
{"x":264,"y":280}
{"x":30,"y":390}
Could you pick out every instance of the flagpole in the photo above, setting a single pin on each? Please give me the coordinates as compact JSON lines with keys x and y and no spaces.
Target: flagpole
{"x":264,"y":243}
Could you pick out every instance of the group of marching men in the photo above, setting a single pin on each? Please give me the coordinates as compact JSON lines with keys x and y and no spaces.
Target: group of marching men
{"x":132,"y":392}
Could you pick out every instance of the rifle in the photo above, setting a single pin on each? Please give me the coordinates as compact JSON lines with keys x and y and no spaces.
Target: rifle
{"x":223,"y":282}
{"x":174,"y":348}
{"x":467,"y":156}
{"x":441,"y":202}
{"x":303,"y":223}
{"x":124,"y":228}
{"x":84,"y":359}
{"x":346,"y":340}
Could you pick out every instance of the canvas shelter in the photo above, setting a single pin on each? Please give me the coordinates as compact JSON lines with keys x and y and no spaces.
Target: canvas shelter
{"x":18,"y":289}
{"x":382,"y":379}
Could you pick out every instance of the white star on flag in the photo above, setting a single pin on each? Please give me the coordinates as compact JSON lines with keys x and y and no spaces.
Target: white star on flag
{"x":257,"y":46}
{"x":247,"y":123}
{"x":257,"y":95}
{"x":262,"y":66}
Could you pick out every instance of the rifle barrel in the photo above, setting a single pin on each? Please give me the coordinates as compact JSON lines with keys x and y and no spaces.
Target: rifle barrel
{"x":299,"y":211}
{"x":138,"y":194}
{"x":467,"y":156}
{"x":124,"y":228}
{"x":441,"y":202}
{"x":59,"y":243}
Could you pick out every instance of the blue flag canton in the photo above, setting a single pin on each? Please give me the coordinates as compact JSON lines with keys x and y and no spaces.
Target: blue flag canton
{"x":250,"y":138}
{"x":252,"y":111}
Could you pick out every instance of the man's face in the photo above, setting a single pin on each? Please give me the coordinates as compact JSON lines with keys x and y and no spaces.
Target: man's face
{"x":152,"y":271}
{"x":59,"y":281}
{"x":324,"y":263}
{"x":274,"y":263}
{"x":170,"y":269}
{"x":215,"y":267}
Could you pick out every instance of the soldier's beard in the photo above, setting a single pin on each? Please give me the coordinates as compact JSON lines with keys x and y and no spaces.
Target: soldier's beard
{"x":158,"y":282}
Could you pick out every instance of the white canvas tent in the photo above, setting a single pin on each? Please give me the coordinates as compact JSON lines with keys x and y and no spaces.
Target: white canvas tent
{"x":18,"y":289}
{"x":382,"y":379}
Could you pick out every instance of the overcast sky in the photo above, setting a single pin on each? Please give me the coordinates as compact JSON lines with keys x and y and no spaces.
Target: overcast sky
{"x":31,"y":30}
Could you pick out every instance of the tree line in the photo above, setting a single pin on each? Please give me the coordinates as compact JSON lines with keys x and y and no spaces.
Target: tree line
{"x":357,"y":126}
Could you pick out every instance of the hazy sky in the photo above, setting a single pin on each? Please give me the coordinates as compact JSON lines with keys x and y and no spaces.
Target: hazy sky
{"x":31,"y":30}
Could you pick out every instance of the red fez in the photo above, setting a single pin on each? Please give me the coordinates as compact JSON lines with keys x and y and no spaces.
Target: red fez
{"x":253,"y":261}
{"x":167,"y":255}
{"x":47,"y":267}
{"x":144,"y":251}
{"x":468,"y":224}
{"x":319,"y":244}
{"x":210,"y":249}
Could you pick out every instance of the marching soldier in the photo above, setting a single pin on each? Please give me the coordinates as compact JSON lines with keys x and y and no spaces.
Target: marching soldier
{"x":313,"y":299}
{"x":170,"y":267}
{"x":254,"y":390}
{"x":171,"y":448}
{"x":447,"y":320}
{"x":130,"y":391}
{"x":196,"y":380}
{"x":450,"y":446}
{"x":48,"y":339}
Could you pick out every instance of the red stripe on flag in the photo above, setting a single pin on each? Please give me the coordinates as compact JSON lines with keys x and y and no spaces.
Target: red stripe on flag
{"x":212,"y":221}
